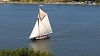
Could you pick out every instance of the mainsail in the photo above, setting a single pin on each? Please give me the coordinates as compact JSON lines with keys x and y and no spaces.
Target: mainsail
{"x":42,"y":25}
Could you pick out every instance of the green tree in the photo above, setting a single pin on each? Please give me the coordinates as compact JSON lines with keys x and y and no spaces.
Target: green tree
{"x":98,"y":1}
{"x":15,"y":0}
{"x":38,"y":0}
{"x":23,"y":52}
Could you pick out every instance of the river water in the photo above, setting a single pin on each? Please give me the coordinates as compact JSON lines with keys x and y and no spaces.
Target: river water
{"x":76,"y":28}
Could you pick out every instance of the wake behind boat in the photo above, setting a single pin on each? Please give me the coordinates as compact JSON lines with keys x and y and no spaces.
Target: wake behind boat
{"x":42,"y":27}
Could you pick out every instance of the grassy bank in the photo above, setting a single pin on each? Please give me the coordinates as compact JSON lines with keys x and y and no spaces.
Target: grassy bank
{"x":23,"y":52}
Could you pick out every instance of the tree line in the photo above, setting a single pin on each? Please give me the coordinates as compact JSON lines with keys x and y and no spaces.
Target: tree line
{"x":23,"y":52}
{"x":28,"y":0}
{"x":98,"y":1}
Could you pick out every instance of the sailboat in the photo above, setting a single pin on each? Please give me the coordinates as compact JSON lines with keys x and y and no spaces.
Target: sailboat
{"x":42,"y":28}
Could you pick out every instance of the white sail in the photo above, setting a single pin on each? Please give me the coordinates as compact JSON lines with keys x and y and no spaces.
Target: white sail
{"x":42,"y":25}
{"x":34,"y":31}
{"x":47,"y":24}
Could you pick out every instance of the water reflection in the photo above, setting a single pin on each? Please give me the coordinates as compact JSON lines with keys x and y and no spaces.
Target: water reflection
{"x":41,"y":45}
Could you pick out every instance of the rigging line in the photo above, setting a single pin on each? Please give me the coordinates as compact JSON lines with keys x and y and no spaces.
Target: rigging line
{"x":62,"y":32}
{"x":42,"y":17}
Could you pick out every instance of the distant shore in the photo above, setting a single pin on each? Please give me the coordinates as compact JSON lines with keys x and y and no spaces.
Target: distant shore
{"x":78,"y":3}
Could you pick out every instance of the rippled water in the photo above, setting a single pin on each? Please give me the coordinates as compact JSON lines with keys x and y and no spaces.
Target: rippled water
{"x":75,"y":28}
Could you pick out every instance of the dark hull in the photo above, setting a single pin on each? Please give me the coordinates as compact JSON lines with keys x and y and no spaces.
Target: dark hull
{"x":40,"y":38}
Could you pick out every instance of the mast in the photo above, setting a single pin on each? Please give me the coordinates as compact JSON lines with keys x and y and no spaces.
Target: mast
{"x":38,"y":27}
{"x":38,"y":16}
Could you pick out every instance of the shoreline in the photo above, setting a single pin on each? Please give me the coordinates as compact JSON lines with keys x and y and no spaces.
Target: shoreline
{"x":78,"y":3}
